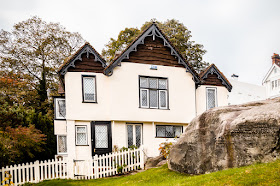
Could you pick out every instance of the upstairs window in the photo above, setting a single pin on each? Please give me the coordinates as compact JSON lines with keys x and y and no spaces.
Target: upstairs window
{"x":168,"y":131}
{"x":211,"y":98}
{"x":153,"y":92}
{"x":60,"y":108}
{"x":89,"y":88}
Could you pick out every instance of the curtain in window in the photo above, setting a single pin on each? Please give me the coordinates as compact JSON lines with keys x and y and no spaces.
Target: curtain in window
{"x":89,"y":88}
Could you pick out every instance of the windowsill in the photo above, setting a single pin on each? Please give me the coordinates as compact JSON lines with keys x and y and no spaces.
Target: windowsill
{"x":62,"y":153}
{"x":59,"y":119}
{"x":154,"y":108}
{"x":89,"y":102}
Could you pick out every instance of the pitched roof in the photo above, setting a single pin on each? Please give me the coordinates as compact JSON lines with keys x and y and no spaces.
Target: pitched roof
{"x":153,"y":31}
{"x":269,"y":72}
{"x":70,"y":61}
{"x":212,"y":69}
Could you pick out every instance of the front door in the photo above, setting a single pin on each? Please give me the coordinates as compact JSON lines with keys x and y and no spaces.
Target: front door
{"x":101,"y":137}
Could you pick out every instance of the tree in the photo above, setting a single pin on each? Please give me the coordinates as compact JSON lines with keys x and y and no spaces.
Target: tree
{"x":18,"y":143}
{"x":37,"y":48}
{"x":177,"y":33}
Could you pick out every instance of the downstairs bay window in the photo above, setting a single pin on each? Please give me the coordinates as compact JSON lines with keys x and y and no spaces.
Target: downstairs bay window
{"x":61,"y":144}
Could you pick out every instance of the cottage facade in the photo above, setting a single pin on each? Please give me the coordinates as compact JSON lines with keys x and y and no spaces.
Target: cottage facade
{"x":146,"y":96}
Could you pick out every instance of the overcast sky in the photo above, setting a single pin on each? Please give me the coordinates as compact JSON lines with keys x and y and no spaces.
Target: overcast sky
{"x":240,"y":36}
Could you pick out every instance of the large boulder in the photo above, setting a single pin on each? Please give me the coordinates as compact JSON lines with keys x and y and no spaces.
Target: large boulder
{"x":230,"y":136}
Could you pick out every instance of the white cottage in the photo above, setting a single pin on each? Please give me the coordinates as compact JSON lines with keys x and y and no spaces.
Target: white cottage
{"x":146,"y":96}
{"x":272,"y":79}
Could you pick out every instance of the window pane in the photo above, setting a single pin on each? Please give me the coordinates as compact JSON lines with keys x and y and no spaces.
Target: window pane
{"x":169,"y":131}
{"x":154,"y":98}
{"x":129,"y":135}
{"x":153,"y":83}
{"x":138,"y":135}
{"x":144,"y":98}
{"x":61,"y":108}
{"x":211,"y":98}
{"x":101,"y":136}
{"x":178,"y":131}
{"x":81,"y":129}
{"x":160,"y":131}
{"x":81,"y":139}
{"x":162,"y":99}
{"x":144,"y":82}
{"x":162,"y":84}
{"x":89,"y":88}
{"x":61,"y":142}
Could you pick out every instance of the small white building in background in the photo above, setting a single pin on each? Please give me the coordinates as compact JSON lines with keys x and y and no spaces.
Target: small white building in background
{"x":272,"y":79}
{"x":245,"y":92}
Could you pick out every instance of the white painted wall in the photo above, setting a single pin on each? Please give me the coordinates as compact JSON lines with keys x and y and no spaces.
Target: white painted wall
{"x":60,"y":127}
{"x":222,"y":97}
{"x":245,"y":92}
{"x":118,"y":102}
{"x":273,"y":74}
{"x":118,"y":95}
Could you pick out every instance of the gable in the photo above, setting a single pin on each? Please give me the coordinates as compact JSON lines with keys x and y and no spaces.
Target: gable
{"x":270,"y":72}
{"x":212,"y":76}
{"x":154,"y":32}
{"x":153,"y":52}
{"x":86,"y":59}
{"x":87,"y":64}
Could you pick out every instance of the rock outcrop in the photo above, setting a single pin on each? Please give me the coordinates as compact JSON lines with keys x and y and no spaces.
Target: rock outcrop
{"x":226,"y":137}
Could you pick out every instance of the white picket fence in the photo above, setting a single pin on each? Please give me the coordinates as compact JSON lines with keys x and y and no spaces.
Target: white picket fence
{"x":99,"y":166}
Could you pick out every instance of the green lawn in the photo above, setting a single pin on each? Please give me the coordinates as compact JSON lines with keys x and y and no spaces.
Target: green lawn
{"x":262,"y":174}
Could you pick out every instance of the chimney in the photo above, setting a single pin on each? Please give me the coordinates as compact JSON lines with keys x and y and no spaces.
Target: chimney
{"x":234,"y":77}
{"x":276,"y":59}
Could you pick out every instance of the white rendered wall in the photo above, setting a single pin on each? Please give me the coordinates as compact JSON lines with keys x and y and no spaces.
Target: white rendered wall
{"x":222,"y":97}
{"x":60,"y":127}
{"x":118,"y":95}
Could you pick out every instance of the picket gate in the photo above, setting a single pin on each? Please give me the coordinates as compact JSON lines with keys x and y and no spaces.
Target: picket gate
{"x":98,"y":167}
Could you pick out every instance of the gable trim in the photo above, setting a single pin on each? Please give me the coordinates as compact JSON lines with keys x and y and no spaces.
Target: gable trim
{"x":269,"y":72}
{"x":153,"y":31}
{"x":212,"y":69}
{"x":88,"y":49}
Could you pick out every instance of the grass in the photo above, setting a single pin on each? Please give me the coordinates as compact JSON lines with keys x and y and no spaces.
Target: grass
{"x":257,"y":174}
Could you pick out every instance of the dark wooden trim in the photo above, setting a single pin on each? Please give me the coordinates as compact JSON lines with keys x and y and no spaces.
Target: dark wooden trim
{"x":87,"y":144}
{"x":94,"y":89}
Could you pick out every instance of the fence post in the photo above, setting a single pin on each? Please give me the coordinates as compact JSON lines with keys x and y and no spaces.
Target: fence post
{"x":141,"y":157}
{"x":96,"y":171}
{"x":36,"y":171}
{"x":70,"y":168}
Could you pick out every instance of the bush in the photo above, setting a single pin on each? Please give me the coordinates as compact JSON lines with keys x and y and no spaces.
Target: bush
{"x":164,"y":148}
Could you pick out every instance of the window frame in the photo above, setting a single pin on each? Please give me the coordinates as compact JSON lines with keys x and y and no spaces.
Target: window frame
{"x":76,"y":142}
{"x":56,"y":114}
{"x":182,"y":130}
{"x":216,"y":100}
{"x":158,"y":93}
{"x":57,"y":148}
{"x":134,"y":133}
{"x":95,"y":88}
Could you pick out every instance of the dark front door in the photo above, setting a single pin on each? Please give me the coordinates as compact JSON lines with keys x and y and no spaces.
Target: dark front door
{"x":101,"y":137}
